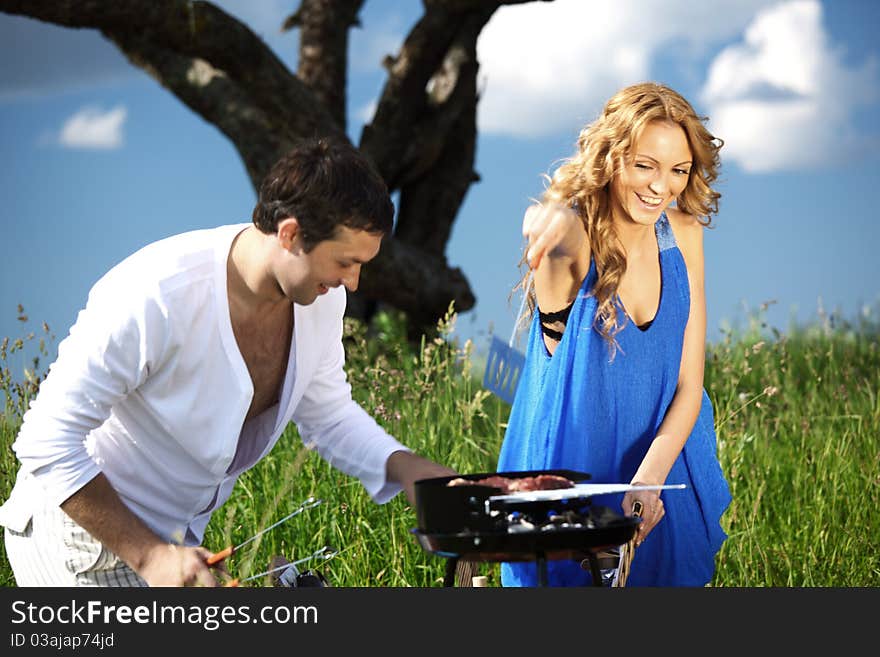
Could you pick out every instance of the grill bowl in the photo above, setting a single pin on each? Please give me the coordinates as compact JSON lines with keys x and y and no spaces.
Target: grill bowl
{"x":444,"y":509}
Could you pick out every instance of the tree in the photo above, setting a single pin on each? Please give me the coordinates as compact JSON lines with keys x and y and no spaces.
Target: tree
{"x":422,"y":137}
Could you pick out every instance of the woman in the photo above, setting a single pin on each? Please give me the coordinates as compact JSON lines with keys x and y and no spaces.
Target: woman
{"x":613,"y":382}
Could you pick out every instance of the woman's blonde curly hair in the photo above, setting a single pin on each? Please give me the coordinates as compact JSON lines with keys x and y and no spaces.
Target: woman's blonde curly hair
{"x":583,"y":182}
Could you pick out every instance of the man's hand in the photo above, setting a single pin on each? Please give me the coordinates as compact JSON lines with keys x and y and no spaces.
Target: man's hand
{"x":175,"y":565}
{"x":97,"y":508}
{"x":407,"y":468}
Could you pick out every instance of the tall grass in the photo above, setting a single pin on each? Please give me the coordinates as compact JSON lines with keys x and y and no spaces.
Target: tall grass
{"x":798,"y":420}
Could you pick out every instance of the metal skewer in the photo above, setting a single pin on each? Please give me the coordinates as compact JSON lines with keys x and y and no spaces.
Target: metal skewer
{"x":326,"y":553}
{"x":217,"y":557}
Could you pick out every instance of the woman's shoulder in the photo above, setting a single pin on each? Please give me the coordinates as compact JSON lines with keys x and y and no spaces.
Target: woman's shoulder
{"x":682,"y":221}
{"x":688,"y":231}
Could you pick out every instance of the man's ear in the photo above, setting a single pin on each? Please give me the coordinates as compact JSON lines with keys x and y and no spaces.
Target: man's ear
{"x":289,"y":234}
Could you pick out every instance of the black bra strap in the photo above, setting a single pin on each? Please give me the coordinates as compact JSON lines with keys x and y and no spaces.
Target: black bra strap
{"x":556,"y":317}
{"x":550,"y":333}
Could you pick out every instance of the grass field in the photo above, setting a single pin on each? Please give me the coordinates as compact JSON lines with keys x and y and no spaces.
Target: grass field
{"x":798,"y":423}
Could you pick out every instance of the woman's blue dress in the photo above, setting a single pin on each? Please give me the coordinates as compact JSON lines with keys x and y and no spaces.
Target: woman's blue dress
{"x":579,"y":410}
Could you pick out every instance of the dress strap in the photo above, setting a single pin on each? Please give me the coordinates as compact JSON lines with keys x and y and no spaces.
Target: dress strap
{"x":665,"y":237}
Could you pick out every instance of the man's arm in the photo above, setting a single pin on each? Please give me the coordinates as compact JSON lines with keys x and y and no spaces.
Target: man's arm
{"x":407,"y":468}
{"x":343,"y":433}
{"x":114,"y":344}
{"x":97,"y":508}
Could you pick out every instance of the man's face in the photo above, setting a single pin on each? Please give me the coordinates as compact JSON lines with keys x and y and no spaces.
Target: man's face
{"x":331,"y":263}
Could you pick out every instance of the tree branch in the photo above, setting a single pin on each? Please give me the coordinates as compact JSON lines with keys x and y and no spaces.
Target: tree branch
{"x":430,"y":200}
{"x":403,"y":101}
{"x":211,"y":94}
{"x":196,"y":30}
{"x":470,"y":5}
{"x":323,"y":49}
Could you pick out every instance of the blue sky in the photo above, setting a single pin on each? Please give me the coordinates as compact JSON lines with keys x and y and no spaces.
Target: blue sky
{"x":98,"y":159}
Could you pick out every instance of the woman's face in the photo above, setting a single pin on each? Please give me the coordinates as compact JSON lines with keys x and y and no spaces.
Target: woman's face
{"x":653,"y":175}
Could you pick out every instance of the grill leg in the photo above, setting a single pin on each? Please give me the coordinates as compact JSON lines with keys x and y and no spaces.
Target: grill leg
{"x":449,"y":579}
{"x":541,"y":563}
{"x":595,"y":571}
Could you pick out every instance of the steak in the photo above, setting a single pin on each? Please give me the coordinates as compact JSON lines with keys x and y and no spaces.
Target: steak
{"x":516,"y":484}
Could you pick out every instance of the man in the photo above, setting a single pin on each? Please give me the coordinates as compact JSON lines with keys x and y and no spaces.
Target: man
{"x":187,"y":363}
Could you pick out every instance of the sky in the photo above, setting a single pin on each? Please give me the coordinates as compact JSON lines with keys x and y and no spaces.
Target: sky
{"x":98,"y":160}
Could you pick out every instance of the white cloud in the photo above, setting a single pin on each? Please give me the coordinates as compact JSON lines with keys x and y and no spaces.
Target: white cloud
{"x":93,"y":129}
{"x":783,"y":98}
{"x":549,"y":67}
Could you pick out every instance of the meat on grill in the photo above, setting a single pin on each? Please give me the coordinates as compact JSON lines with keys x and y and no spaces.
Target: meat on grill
{"x":516,"y":484}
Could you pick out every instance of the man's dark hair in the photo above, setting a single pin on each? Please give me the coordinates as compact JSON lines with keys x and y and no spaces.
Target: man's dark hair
{"x":324,"y":183}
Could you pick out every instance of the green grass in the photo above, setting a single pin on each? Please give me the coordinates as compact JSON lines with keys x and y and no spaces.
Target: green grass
{"x":798,"y":419}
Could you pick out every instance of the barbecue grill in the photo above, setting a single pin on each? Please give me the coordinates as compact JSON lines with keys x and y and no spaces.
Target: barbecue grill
{"x":481,"y":523}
